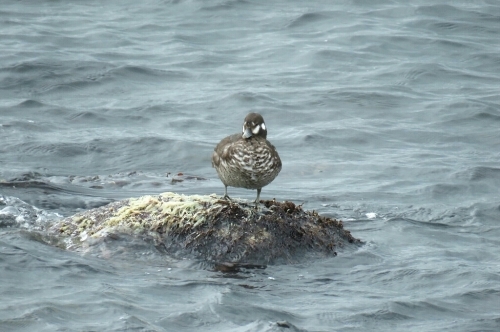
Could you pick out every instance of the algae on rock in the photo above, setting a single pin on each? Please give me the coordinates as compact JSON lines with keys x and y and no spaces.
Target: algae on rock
{"x":209,"y":228}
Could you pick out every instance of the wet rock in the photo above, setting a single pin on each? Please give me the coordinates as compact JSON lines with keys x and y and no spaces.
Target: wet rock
{"x":209,"y":228}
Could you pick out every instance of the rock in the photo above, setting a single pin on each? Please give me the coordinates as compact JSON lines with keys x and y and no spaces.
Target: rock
{"x":209,"y":228}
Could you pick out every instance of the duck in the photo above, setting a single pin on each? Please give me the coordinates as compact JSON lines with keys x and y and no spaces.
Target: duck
{"x":247,"y":159}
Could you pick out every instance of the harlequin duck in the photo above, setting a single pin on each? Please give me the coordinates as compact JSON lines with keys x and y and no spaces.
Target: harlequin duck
{"x":247,"y":160}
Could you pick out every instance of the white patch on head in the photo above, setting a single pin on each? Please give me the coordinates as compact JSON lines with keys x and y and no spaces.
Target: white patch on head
{"x":263,"y":126}
{"x":243,"y":130}
{"x":256,"y":130}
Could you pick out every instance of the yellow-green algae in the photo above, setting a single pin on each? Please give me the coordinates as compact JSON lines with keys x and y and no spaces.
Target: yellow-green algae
{"x":209,"y":227}
{"x":135,"y":215}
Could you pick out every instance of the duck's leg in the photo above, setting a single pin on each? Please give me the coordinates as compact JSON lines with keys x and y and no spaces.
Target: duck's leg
{"x":257,"y":200}
{"x":225,"y":192}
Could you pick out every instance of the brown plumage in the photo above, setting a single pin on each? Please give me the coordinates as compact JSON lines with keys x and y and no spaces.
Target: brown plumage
{"x":247,"y":160}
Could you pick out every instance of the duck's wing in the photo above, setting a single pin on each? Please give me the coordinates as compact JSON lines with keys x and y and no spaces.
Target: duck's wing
{"x":274,"y":155}
{"x":223,"y":150}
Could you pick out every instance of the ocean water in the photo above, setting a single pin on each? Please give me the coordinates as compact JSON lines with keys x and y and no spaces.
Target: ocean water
{"x":386,"y":114}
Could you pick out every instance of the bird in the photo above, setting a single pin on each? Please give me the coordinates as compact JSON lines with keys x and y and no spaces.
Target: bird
{"x":247,"y":160}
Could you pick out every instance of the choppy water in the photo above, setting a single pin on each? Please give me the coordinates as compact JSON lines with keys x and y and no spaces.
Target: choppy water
{"x":385,"y":114}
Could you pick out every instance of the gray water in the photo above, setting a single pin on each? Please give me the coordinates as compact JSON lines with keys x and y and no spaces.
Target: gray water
{"x":385,"y":114}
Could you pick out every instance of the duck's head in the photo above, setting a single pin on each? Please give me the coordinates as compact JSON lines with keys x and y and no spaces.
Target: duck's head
{"x":254,"y":126}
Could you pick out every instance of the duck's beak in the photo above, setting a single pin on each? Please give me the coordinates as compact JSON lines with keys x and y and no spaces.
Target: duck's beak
{"x":247,"y":133}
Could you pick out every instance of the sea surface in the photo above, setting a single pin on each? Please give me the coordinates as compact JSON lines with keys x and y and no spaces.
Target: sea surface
{"x":386,"y":114}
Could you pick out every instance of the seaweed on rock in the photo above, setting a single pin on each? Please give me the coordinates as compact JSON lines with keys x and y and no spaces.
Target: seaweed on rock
{"x":209,"y":228}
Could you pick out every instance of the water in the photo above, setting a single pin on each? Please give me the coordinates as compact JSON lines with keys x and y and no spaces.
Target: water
{"x":385,"y":114}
